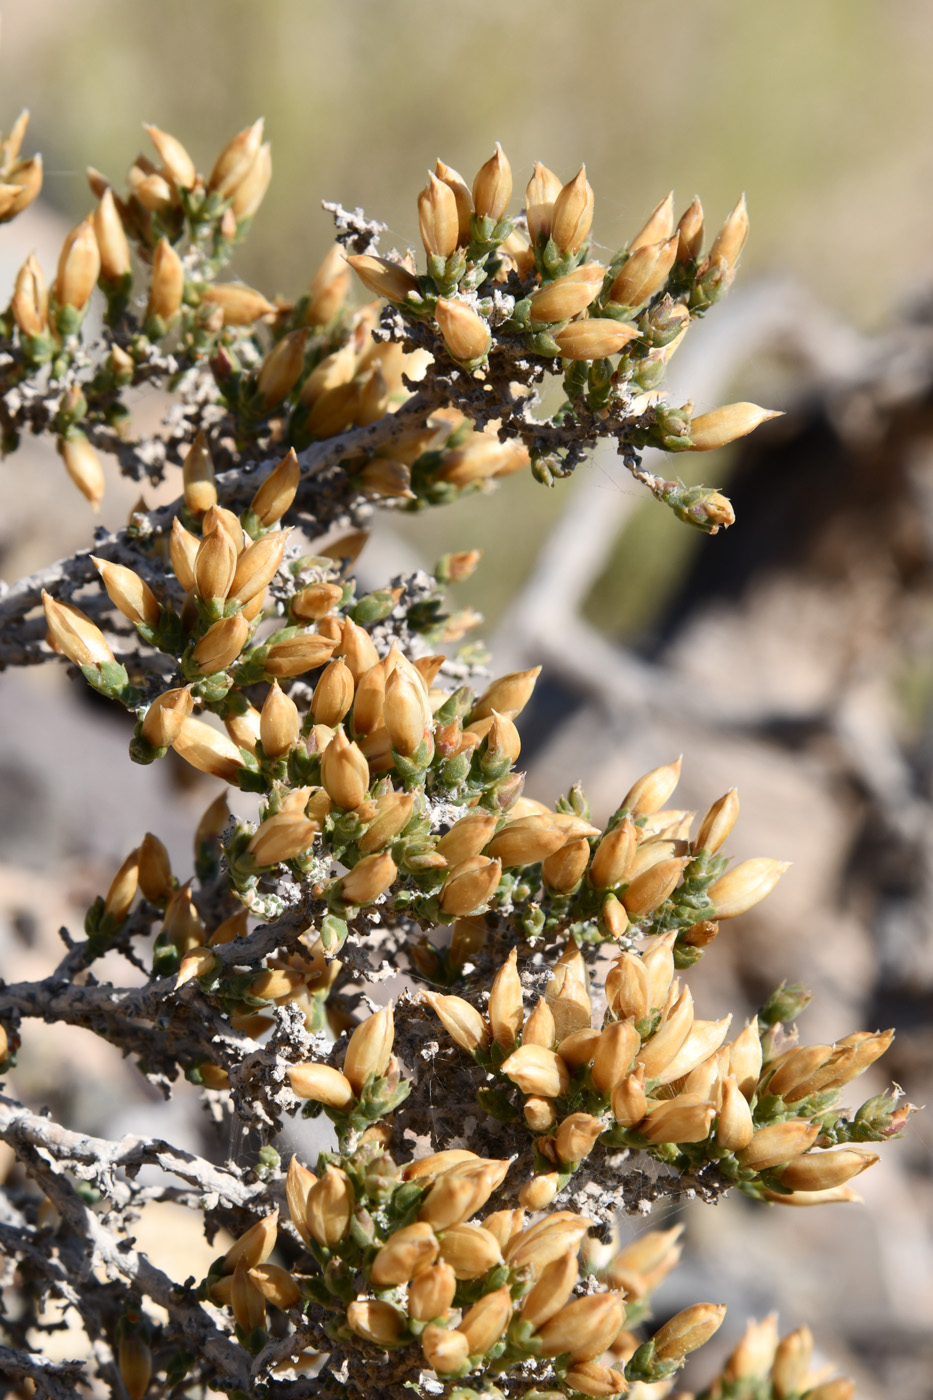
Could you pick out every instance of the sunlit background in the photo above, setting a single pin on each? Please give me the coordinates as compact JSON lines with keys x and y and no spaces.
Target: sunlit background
{"x":822,"y":114}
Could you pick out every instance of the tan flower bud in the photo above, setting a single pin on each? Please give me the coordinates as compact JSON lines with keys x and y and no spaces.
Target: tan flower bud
{"x":437,"y":218}
{"x":508,"y":695}
{"x":589,"y":1378}
{"x":690,"y":232}
{"x":613,"y":855}
{"x":820,"y":1171}
{"x":72,"y":633}
{"x":644,"y":273}
{"x":451,"y":1200}
{"x":406,"y":1253}
{"x":168,"y":282}
{"x":583,"y":1328}
{"x":329,"y":287}
{"x":30,"y":304}
{"x":652,"y":791}
{"x":730,"y":240}
{"x":165,"y":716}
{"x":465,"y":333}
{"x":221,"y":644}
{"x":175,"y":159}
{"x":276,"y":1284}
{"x":492,"y":188}
{"x":572,"y":215}
{"x":470,"y":885}
{"x":83,"y":466}
{"x":281,"y":369}
{"x":128,"y":592}
{"x":627,"y":987}
{"x":384,"y":278}
{"x":718,"y":822}
{"x":295,"y":655}
{"x":525,"y":842}
{"x":229,"y":929}
{"x":752,"y":1357}
{"x":155,"y":869}
{"x":444,"y":1349}
{"x":546,"y":1241}
{"x":255,"y":1246}
{"x":282,"y":837}
{"x":685,"y":1119}
{"x":298,"y":1184}
{"x":393,"y":813}
{"x":357,"y":649}
{"x":134,"y":1358}
{"x":564,"y":868}
{"x":344,"y":772}
{"x":540,"y":1028}
{"x":407,"y":710}
{"x":123,"y":888}
{"x":431,"y":1292}
{"x":796,"y":1066}
{"x":659,"y":963}
{"x":778,"y":1142}
{"x":207,"y":750}
{"x":251,"y":190}
{"x":26,"y":182}
{"x":791,"y":1363}
{"x":215,"y":566}
{"x":540,"y":1114}
{"x":505,"y":1003}
{"x":594,"y":338}
{"x":462,"y":197}
{"x":485,"y":1322}
{"x":197,"y":963}
{"x":868,"y":1048}
{"x":370,"y":1049}
{"x":243,"y":728}
{"x":553,"y":1289}
{"x":735,"y":1129}
{"x":540,"y":193}
{"x":436,"y":1163}
{"x":368,"y":879}
{"x":470,"y":1250}
{"x":278,"y":491}
{"x":375,"y":1321}
{"x":746,"y":885}
{"x":280,"y":722}
{"x":461,"y":1020}
{"x":330,"y":1207}
{"x":658,"y":1052}
{"x":467,"y":837}
{"x":724,"y":425}
{"x":576,"y":1136}
{"x":618,"y":1045}
{"x":78,"y":267}
{"x":235,"y":160}
{"x":239,"y":305}
{"x":197,"y":474}
{"x":650,"y":889}
{"x":659,"y":224}
{"x":567,"y":296}
{"x":369,"y":699}
{"x":537,"y":1070}
{"x":316,"y":601}
{"x":703,"y":1039}
{"x":745,"y":1058}
{"x":579,"y":1047}
{"x":688,"y":1331}
{"x":629,"y":1101}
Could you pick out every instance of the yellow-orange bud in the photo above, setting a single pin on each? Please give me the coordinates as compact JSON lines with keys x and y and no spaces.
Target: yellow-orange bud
{"x":658,"y":225}
{"x":537,"y":1070}
{"x":593,"y":339}
{"x":437,"y":218}
{"x":470,"y":886}
{"x":235,"y":160}
{"x":374,"y":1320}
{"x":492,"y":188}
{"x":724,"y":425}
{"x":644,"y":273}
{"x":281,"y":369}
{"x":584,"y":1328}
{"x":572,"y":214}
{"x":280,"y":723}
{"x":111,"y":239}
{"x":465,"y":333}
{"x":383,"y":278}
{"x":78,"y":267}
{"x":368,"y":879}
{"x":461,"y":1020}
{"x":221,"y":644}
{"x":688,"y":1331}
{"x":168,"y":282}
{"x":278,"y":491}
{"x":30,"y":304}
{"x":72,"y":633}
{"x":207,"y":750}
{"x":83,"y":466}
{"x":165,"y":716}
{"x":740,"y":889}
{"x":344,"y":772}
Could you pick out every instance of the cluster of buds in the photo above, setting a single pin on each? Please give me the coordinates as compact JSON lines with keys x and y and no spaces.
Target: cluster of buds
{"x":20,"y":179}
{"x":655,"y":1078}
{"x":765,"y":1366}
{"x":498,"y":288}
{"x":400,"y":1258}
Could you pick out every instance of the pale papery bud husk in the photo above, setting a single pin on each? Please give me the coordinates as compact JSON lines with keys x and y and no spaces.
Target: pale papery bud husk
{"x":685,"y":1119}
{"x":239,"y":304}
{"x":215,"y":565}
{"x":540,"y":1114}
{"x":293,"y":656}
{"x":467,"y":837}
{"x":484,"y":1323}
{"x":650,"y":889}
{"x":221,"y":644}
{"x":741,"y":888}
{"x":778,"y":1142}
{"x":745,"y":1058}
{"x":492,"y":187}
{"x":508,"y":695}
{"x":112,"y":242}
{"x":821,"y":1171}
{"x":393,"y":813}
{"x":369,"y":1049}
{"x":540,"y":193}
{"x":645,"y":273}
{"x":83,"y":466}
{"x":330,"y":1207}
{"x":629,"y":1101}
{"x":540,"y":1028}
{"x":690,"y":231}
{"x":437,"y":218}
{"x":344,"y":772}
{"x":627,"y":987}
{"x":432,"y":1292}
{"x":572,"y":214}
{"x":613,"y":855}
{"x":618,"y":1045}
{"x":703,"y":1039}
{"x":671,"y":1033}
{"x":576,"y":1136}
{"x":282,"y":837}
{"x":384,"y":278}
{"x":470,"y":1250}
{"x":298,"y":1183}
{"x":658,"y":225}
{"x":791,"y":1363}
{"x":730,"y":240}
{"x":736,"y":1127}
{"x":317,"y":601}
{"x":546,"y":1240}
{"x":553,"y":1289}
{"x":567,"y":296}
{"x":444,"y":1349}
{"x":357,"y":649}
{"x":277,"y":492}
{"x":436,"y":1163}
{"x":717,"y":823}
{"x":123,"y":888}
{"x":659,"y":965}
{"x":406,"y":1253}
